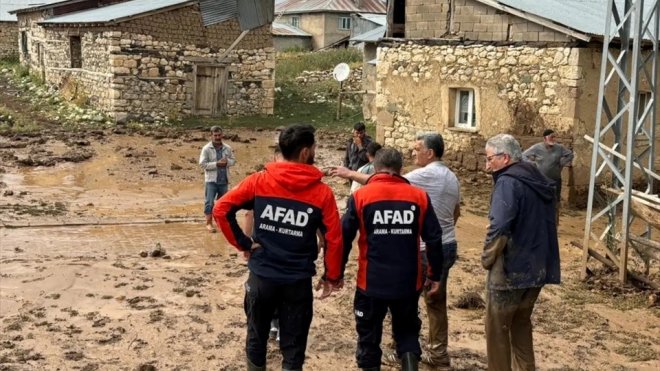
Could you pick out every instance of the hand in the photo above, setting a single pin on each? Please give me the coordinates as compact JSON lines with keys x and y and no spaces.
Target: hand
{"x":342,"y":172}
{"x":328,"y":287}
{"x":247,"y":254}
{"x":432,"y":287}
{"x":221,"y":163}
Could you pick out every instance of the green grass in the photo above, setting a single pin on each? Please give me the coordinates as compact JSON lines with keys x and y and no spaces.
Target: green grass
{"x":291,"y":65}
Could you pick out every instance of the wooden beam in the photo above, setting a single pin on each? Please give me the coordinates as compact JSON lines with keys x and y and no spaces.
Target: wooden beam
{"x":232,"y":46}
{"x":611,"y":265}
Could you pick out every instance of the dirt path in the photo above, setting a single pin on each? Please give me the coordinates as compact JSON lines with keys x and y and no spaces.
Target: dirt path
{"x":83,"y":297}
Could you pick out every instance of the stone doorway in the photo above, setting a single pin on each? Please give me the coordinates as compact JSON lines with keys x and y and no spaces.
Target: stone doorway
{"x":210,"y":90}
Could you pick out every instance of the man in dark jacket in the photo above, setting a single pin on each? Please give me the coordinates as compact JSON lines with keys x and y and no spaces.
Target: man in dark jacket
{"x":391,"y":216}
{"x":356,"y":149}
{"x":521,"y":252}
{"x":290,"y":203}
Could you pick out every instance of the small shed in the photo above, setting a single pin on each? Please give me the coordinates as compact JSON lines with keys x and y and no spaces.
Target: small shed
{"x":287,"y":37}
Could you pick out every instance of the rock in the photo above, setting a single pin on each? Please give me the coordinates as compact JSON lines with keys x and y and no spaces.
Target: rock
{"x":158,"y":251}
{"x":144,"y":253}
{"x":175,"y":167}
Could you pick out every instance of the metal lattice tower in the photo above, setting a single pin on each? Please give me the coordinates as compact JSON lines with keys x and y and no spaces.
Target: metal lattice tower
{"x":625,"y":132}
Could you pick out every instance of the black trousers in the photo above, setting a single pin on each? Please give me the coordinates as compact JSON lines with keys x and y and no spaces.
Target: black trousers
{"x":294,"y":302}
{"x":369,"y":315}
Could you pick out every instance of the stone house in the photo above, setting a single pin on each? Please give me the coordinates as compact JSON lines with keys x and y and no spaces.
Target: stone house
{"x":287,"y":37}
{"x":328,"y":21}
{"x":471,"y":69}
{"x":369,"y":41}
{"x":154,"y":59}
{"x":9,"y":25}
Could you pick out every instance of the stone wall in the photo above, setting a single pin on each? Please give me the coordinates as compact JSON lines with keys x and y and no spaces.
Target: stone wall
{"x":518,"y":90}
{"x":8,"y":39}
{"x":143,"y":69}
{"x":471,"y":20}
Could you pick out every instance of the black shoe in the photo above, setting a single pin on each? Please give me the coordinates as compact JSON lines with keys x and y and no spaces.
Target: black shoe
{"x":252,"y":367}
{"x":409,"y":362}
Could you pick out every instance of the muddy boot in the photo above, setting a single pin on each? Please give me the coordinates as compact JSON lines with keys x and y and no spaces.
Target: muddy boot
{"x":209,"y":224}
{"x":252,"y":367}
{"x":409,"y":362}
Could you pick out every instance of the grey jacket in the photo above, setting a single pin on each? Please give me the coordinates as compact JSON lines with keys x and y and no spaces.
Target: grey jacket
{"x":207,"y":161}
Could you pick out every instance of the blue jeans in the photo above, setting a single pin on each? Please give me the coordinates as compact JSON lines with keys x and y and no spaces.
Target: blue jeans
{"x":212,"y":192}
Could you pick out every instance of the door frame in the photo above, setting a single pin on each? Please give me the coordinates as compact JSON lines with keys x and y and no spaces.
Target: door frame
{"x":216,"y":109}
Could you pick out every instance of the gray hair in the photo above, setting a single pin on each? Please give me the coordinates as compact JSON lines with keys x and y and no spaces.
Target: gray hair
{"x":505,"y":143}
{"x":434,"y":142}
{"x":388,"y":158}
{"x":216,"y":129}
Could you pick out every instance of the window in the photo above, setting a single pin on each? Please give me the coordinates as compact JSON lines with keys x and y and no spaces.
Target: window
{"x":643,"y":98}
{"x":466,"y":115}
{"x":295,"y":22}
{"x":345,"y":23}
{"x":76,"y":52}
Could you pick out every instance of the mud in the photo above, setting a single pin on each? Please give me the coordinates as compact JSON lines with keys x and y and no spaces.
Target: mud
{"x":85,"y":283}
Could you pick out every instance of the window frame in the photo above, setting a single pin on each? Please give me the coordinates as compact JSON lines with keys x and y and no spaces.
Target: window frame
{"x":343,"y":21}
{"x":471,"y":123}
{"x":295,"y":21}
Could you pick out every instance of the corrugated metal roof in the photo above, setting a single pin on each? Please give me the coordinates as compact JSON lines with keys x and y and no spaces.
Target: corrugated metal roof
{"x":371,"y":36}
{"x":8,"y":5}
{"x":117,"y":12}
{"x":339,"y":6}
{"x":283,"y":29}
{"x":216,"y":11}
{"x":586,"y":16}
{"x":255,"y":13}
{"x":379,"y":19}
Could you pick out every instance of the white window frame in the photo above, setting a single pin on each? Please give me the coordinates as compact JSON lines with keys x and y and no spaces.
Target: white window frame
{"x":343,"y":23}
{"x":471,"y":122}
{"x":295,"y":21}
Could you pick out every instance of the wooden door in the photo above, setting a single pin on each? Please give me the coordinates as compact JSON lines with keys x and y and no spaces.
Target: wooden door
{"x":210,"y":90}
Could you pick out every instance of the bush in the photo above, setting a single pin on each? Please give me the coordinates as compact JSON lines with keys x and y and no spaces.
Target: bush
{"x":291,"y":65}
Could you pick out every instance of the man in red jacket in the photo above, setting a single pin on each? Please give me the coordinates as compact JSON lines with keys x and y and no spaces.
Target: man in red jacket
{"x":290,"y":203}
{"x":391,"y":216}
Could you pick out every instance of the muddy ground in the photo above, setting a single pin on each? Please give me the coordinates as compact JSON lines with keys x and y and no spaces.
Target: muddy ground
{"x":82,"y":214}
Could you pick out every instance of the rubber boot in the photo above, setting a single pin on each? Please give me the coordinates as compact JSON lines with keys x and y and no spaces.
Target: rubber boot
{"x":252,"y":367}
{"x":409,"y":362}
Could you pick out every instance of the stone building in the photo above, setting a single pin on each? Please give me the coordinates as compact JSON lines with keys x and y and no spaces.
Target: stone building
{"x":9,"y":25}
{"x":328,"y":21}
{"x":471,"y":69}
{"x":154,"y":59}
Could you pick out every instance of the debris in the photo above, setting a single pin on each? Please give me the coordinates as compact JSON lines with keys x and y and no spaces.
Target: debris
{"x":470,"y":300}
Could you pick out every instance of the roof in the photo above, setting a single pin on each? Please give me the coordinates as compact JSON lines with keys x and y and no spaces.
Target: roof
{"x":371,"y":36}
{"x":283,"y":29}
{"x":11,"y":5}
{"x":335,"y":6}
{"x":379,"y":19}
{"x":584,"y":16}
{"x":118,"y":12}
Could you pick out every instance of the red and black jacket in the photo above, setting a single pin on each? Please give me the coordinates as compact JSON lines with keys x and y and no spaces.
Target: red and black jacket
{"x":391,"y":216}
{"x":290,"y":203}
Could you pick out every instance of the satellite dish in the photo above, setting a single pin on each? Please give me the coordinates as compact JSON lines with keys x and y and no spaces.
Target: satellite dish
{"x":341,"y":72}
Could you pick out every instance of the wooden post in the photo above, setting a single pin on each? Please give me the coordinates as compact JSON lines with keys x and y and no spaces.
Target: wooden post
{"x":341,"y":84}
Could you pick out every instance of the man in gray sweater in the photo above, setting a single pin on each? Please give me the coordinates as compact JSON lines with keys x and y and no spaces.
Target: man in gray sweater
{"x":550,"y":157}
